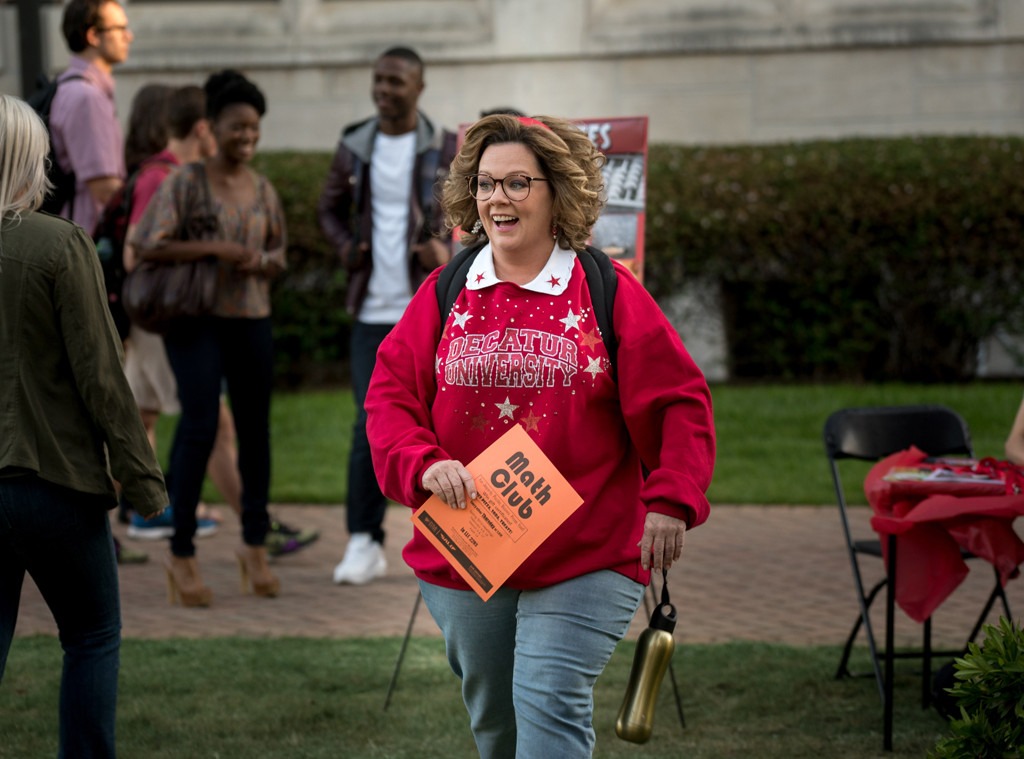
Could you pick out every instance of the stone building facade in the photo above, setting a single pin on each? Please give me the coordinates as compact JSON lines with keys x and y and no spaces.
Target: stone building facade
{"x":704,"y":71}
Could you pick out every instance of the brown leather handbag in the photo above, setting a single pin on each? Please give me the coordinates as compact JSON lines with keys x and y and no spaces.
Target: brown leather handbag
{"x":157,"y":294}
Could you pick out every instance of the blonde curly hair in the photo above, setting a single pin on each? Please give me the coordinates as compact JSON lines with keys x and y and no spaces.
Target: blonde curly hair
{"x":567,"y":158}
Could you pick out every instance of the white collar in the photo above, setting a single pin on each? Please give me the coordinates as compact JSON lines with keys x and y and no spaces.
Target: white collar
{"x":552,"y":280}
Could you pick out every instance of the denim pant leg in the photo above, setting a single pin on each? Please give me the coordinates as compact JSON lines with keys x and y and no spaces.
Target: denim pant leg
{"x":366,"y":503}
{"x":62,"y":539}
{"x":529,"y":660}
{"x":194,"y":351}
{"x":248,"y":369}
{"x":566,"y":634}
{"x":12,"y":576}
{"x":480,"y":643}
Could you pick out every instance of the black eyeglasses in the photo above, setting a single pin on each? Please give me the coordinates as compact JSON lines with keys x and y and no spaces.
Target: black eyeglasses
{"x":515,"y":186}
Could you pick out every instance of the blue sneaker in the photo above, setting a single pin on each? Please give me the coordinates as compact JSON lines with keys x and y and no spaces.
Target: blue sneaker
{"x":162,"y":526}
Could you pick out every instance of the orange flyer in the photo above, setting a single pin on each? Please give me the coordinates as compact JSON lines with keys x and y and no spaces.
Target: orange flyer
{"x":522,"y":499}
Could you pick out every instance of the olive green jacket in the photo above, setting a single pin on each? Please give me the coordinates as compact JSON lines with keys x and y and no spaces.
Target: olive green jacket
{"x":66,"y":411}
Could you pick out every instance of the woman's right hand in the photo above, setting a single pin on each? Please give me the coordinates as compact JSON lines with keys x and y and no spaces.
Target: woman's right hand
{"x":451,"y":482}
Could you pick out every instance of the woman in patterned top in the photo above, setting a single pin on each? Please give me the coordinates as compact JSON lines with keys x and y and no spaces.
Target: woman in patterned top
{"x":233,"y":343}
{"x":521,"y":346}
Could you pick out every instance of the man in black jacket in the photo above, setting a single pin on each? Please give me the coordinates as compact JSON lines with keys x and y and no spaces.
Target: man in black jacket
{"x":378,"y":210}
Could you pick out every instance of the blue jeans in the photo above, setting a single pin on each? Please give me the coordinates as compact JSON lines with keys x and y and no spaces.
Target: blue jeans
{"x":366,"y":504}
{"x":203,"y":353}
{"x":528,"y":660}
{"x":62,"y":539}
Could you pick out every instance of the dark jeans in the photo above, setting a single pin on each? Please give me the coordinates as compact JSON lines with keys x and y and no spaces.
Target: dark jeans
{"x":62,"y":539}
{"x":204,"y":352}
{"x":366,"y":503}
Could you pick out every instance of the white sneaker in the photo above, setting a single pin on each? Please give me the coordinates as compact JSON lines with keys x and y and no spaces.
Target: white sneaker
{"x":364,"y":561}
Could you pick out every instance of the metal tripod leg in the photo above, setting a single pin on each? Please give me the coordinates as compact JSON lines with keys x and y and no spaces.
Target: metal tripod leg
{"x":401,"y":651}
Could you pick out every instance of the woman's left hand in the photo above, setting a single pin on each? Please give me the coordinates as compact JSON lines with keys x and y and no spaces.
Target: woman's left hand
{"x":662,"y":543}
{"x":254,"y":262}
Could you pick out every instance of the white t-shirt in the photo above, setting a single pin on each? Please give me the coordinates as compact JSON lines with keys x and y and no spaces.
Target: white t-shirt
{"x":391,"y":167}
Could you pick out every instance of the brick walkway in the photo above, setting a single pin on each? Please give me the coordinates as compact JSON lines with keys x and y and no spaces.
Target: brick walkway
{"x":773,"y":574}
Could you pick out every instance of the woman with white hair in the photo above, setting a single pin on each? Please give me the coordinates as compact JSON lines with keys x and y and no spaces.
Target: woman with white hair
{"x":70,"y":428}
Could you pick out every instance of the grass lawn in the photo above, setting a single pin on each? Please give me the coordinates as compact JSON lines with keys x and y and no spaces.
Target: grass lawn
{"x":295,"y":698}
{"x":323,"y":698}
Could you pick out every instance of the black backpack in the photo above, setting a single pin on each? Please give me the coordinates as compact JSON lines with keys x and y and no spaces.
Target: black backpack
{"x":63,"y":192}
{"x":601,"y":281}
{"x":111,"y":231}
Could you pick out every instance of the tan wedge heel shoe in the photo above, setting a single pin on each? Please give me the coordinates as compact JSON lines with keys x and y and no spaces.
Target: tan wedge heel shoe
{"x":184,"y":584}
{"x":255,"y":572}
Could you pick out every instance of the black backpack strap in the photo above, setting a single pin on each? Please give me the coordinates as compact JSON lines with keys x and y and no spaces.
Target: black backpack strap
{"x":46,"y":90}
{"x":127,"y":199}
{"x":452,"y":278}
{"x":602,"y":282}
{"x":63,"y":189}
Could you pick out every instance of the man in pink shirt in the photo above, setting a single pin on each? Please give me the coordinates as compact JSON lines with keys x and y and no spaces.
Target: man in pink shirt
{"x":86,"y":134}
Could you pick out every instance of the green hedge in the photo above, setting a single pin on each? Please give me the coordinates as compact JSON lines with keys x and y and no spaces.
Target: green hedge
{"x":854,"y":259}
{"x":311,"y":327}
{"x":865,"y":258}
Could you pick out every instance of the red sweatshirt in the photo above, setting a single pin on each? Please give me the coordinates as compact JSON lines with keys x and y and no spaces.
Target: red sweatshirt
{"x":514,"y":354}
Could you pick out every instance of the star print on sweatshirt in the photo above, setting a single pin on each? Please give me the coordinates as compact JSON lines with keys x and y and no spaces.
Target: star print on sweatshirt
{"x":532,"y":355}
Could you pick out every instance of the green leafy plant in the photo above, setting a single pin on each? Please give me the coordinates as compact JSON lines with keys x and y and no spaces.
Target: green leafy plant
{"x":868,"y":259}
{"x":990,"y":693}
{"x":311,"y":326}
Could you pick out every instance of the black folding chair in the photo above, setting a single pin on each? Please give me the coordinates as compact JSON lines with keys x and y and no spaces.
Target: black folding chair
{"x":870,"y":434}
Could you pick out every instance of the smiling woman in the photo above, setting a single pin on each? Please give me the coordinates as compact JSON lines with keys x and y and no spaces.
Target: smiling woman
{"x":521,"y":346}
{"x":244,"y":229}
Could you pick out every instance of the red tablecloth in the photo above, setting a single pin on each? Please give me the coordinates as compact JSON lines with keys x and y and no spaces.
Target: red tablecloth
{"x":933,"y":521}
